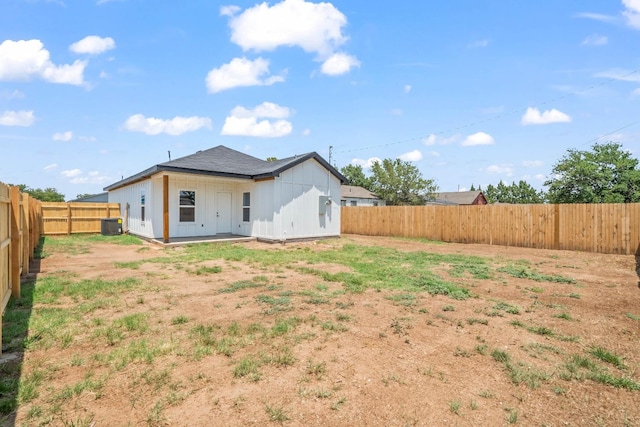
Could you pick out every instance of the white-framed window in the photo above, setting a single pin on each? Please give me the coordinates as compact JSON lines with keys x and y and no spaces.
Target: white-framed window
{"x":354,"y":203}
{"x":246,"y":207}
{"x":187,"y":206}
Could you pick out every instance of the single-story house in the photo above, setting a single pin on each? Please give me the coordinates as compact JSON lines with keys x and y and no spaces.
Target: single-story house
{"x":353,"y":195}
{"x":459,"y":198}
{"x":221,"y":191}
{"x":94,"y":198}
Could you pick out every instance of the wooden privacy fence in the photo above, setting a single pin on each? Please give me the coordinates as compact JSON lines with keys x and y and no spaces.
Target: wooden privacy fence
{"x":70,"y":218}
{"x":20,"y":231}
{"x":601,"y":228}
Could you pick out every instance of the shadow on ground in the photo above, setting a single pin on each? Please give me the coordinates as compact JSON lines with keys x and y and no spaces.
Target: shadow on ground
{"x":15,"y":331}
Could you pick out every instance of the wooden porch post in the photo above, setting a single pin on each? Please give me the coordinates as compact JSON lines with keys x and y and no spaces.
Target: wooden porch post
{"x":165,"y":208}
{"x":15,"y":242}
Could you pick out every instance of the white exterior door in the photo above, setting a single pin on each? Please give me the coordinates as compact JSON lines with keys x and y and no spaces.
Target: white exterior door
{"x":223,"y":213}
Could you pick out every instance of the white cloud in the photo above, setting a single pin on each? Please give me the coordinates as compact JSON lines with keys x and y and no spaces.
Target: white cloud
{"x":532,"y":163}
{"x":632,"y":12}
{"x":87,"y":138}
{"x":534,"y":117}
{"x":433,"y":153}
{"x":396,"y":112}
{"x":407,"y":88}
{"x":176,"y":126}
{"x":478,"y":43}
{"x":479,"y":138}
{"x":266,"y":109}
{"x":366,"y":163}
{"x":229,"y":10}
{"x":91,"y":178}
{"x":93,"y":45}
{"x":50,"y":167}
{"x":241,"y":72}
{"x":315,"y":27}
{"x":595,"y":40}
{"x":433,"y":139}
{"x":596,"y":16}
{"x":620,"y":74}
{"x":504,"y":169}
{"x":636,"y":92}
{"x":244,"y":122}
{"x":306,"y":132}
{"x":339,"y":63}
{"x":71,"y":173}
{"x":411,"y":156}
{"x":24,"y":59}
{"x":63,"y":136}
{"x":17,"y":118}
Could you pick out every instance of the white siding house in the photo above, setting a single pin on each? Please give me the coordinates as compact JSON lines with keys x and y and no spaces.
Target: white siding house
{"x":224,"y":192}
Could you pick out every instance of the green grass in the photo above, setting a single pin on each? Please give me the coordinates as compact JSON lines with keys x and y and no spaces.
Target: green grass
{"x":405,"y":300}
{"x":633,"y":316}
{"x":77,"y":244}
{"x":369,"y":267}
{"x":606,"y":356}
{"x":241,"y":285}
{"x":581,"y":368}
{"x":525,"y":272}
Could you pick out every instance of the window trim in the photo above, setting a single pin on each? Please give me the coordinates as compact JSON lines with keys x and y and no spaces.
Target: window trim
{"x":182,"y":207}
{"x":246,"y":207}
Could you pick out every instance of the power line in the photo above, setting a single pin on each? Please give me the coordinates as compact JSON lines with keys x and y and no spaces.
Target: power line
{"x":500,"y":116}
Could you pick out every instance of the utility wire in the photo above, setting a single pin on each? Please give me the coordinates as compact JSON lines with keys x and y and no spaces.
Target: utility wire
{"x":509,"y":113}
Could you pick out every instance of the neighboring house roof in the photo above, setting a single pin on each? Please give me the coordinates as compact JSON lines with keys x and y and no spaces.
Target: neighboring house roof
{"x":458,"y":198}
{"x":95,"y":198}
{"x":223,"y":161}
{"x":354,"y":191}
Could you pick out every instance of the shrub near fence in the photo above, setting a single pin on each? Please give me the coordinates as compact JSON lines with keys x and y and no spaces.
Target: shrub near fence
{"x":20,"y":231}
{"x":601,"y":228}
{"x":71,"y":218}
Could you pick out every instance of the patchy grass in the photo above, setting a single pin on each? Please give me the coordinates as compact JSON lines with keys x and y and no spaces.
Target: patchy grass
{"x":525,"y":272}
{"x":135,"y":333}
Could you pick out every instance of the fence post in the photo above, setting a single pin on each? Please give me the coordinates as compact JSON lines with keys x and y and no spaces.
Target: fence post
{"x":26,"y":237}
{"x":15,"y":242}
{"x":69,"y":219}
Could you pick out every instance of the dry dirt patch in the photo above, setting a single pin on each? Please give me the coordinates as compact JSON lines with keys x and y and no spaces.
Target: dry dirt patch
{"x":226,"y":341}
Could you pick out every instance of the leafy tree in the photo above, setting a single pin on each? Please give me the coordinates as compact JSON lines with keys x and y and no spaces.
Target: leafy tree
{"x":47,"y":195}
{"x":472,"y":188}
{"x":522,"y":192}
{"x":606,"y":174}
{"x":83,"y":195}
{"x":355,"y":175}
{"x":400,"y":183}
{"x":271,"y":159}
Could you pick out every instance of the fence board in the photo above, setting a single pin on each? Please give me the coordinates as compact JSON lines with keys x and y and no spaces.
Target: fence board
{"x":602,"y":228}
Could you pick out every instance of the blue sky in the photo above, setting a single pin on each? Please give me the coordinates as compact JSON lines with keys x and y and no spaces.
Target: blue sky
{"x":470,"y":91}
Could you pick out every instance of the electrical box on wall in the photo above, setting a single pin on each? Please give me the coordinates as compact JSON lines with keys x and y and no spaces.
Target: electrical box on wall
{"x":324,"y":204}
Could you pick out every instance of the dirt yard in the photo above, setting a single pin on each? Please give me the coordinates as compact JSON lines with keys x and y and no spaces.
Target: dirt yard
{"x":546,"y":338}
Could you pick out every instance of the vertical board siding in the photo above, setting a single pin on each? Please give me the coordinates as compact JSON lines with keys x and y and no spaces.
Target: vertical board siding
{"x":71,"y":218}
{"x":601,"y":228}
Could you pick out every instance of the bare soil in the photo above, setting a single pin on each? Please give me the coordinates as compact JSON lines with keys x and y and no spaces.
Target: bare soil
{"x":357,"y":359}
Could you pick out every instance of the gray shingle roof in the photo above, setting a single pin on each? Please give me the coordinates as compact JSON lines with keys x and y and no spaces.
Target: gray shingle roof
{"x":223,"y":161}
{"x":356,"y":192}
{"x":456,"y":197}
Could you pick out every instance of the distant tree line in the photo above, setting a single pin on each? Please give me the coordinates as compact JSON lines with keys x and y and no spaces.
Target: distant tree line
{"x":45,"y":195}
{"x":604,"y":174}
